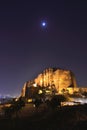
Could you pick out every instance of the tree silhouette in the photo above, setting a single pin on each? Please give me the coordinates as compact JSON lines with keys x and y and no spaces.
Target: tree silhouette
{"x":14,"y":108}
{"x":56,"y":101}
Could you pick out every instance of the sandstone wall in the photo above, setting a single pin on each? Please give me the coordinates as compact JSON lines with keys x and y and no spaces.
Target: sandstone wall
{"x":58,"y":78}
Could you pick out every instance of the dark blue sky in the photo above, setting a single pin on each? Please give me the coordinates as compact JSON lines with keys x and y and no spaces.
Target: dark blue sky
{"x":26,"y":48}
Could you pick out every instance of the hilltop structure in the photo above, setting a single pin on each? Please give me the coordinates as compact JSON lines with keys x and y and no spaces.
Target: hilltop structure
{"x":59,"y":79}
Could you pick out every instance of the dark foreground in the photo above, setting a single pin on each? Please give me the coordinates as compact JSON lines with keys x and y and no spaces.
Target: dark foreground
{"x":43,"y":118}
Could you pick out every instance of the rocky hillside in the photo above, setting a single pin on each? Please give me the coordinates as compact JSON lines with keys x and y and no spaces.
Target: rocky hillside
{"x":59,"y":79}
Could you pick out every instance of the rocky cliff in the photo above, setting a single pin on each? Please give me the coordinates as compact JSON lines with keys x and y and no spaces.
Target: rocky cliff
{"x":60,"y":79}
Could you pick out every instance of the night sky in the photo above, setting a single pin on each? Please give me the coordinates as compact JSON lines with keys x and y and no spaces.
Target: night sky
{"x":27,"y":47}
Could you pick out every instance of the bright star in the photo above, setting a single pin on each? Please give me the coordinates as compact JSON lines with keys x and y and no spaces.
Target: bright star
{"x":43,"y":24}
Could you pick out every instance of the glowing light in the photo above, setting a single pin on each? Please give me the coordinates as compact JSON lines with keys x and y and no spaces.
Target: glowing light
{"x":81,"y":100}
{"x":30,"y":100}
{"x":16,"y":99}
{"x":35,"y":85}
{"x":43,"y":24}
{"x":40,"y":92}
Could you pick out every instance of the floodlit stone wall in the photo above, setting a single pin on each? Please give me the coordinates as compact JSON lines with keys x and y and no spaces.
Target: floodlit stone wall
{"x":61,"y":79}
